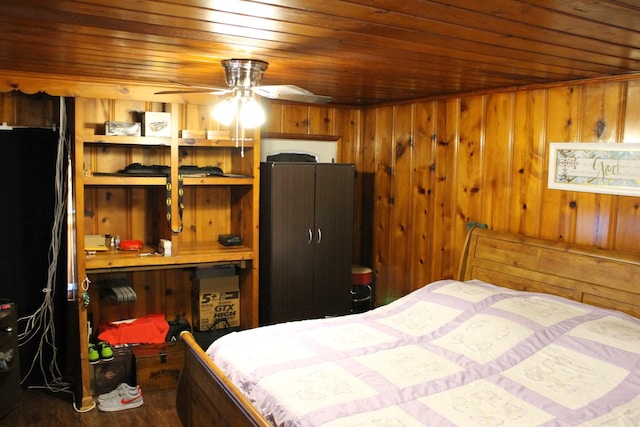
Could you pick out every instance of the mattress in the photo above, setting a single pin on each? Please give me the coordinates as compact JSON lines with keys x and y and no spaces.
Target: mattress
{"x":448,"y":354}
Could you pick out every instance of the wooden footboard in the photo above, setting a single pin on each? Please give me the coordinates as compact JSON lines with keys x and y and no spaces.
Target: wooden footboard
{"x":205,"y":396}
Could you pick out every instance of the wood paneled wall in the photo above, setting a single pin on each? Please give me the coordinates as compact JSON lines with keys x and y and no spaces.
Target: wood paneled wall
{"x":425,"y":169}
{"x":437,"y":165}
{"x":21,"y":109}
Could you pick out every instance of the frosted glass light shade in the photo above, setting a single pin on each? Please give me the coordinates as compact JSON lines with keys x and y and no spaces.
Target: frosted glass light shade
{"x":250,"y":113}
{"x":225,"y":111}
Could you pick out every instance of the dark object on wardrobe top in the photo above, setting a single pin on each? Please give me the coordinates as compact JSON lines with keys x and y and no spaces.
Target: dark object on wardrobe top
{"x":291,"y":157}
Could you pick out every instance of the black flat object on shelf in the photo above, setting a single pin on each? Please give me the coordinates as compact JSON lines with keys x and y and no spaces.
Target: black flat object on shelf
{"x":138,"y":169}
{"x":230,"y":239}
{"x":146,"y":170}
{"x":201,"y":170}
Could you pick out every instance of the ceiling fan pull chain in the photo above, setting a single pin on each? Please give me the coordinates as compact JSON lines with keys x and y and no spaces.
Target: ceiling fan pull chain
{"x":242,"y":144}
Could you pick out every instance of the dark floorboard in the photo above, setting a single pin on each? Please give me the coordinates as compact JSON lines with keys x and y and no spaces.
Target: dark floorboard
{"x":45,"y":409}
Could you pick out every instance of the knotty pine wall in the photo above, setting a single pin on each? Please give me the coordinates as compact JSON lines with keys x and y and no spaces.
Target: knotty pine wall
{"x":425,"y":169}
{"x":436,"y":165}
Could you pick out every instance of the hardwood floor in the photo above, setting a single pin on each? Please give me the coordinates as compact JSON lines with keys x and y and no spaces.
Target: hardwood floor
{"x":44,"y":409}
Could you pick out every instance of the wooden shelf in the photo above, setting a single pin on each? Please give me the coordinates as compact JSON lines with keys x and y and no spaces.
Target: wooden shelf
{"x":125,"y":180}
{"x":161,"y":181}
{"x":127,"y":140}
{"x":218,"y":180}
{"x":189,"y":254}
{"x":166,"y":141}
{"x":213,"y":143}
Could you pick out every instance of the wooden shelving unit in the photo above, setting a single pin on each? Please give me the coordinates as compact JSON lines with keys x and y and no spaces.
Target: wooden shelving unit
{"x":135,"y":207}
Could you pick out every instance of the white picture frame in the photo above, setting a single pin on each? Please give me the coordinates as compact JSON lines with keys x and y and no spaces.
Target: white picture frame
{"x":606,"y":168}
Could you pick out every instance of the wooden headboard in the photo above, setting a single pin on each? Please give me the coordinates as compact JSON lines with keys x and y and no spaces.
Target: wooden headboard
{"x":604,"y":278}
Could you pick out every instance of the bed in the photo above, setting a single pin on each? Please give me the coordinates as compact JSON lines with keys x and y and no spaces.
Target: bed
{"x":531,"y":332}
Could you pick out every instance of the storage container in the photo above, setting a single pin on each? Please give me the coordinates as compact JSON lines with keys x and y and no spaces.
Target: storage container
{"x":158,"y":366}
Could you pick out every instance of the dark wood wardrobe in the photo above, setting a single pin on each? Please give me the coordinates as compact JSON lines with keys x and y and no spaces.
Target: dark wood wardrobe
{"x":306,"y":232}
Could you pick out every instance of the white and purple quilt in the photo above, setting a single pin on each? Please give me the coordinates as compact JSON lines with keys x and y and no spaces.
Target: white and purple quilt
{"x":449,"y":354}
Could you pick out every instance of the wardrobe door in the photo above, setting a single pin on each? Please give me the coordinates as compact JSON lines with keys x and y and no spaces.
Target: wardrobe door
{"x":334,"y":234}
{"x":287,"y":243}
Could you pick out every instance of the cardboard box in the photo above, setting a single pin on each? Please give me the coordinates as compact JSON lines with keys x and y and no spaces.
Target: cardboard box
{"x":158,"y":366}
{"x":192,"y":134}
{"x":218,"y":134}
{"x":164,"y":247}
{"x":216,"y":298}
{"x":106,"y":376}
{"x":157,"y":124}
{"x":122,"y":128}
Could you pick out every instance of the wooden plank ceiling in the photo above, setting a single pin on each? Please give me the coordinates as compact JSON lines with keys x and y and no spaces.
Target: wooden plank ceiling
{"x":360,"y":52}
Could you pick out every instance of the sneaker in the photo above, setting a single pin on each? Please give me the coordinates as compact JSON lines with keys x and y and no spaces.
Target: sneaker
{"x":94,"y":356}
{"x":106,"y":352}
{"x":122,"y":388}
{"x":123,"y":398}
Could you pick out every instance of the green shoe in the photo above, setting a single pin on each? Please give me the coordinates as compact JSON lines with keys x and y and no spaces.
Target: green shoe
{"x":94,"y":357}
{"x":106,"y":352}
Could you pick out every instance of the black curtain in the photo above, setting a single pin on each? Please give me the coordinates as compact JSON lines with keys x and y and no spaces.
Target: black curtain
{"x":28,"y":182}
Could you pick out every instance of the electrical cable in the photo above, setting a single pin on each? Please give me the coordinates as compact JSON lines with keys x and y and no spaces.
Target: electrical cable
{"x":40,"y":324}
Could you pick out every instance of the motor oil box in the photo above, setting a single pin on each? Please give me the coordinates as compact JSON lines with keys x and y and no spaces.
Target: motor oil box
{"x":216,"y":298}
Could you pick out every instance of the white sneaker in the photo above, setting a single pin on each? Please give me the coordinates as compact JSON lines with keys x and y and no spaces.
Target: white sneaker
{"x":122,"y":398}
{"x":121,"y":387}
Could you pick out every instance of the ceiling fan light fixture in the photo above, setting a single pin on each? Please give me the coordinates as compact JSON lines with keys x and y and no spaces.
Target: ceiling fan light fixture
{"x":251,"y":113}
{"x":225,"y":111}
{"x":244,"y":73}
{"x":242,"y":108}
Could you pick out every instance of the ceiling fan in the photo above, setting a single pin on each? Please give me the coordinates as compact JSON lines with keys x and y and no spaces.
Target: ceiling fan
{"x":243,"y":76}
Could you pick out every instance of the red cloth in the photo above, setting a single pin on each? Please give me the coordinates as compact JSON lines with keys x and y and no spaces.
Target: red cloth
{"x":148,"y":329}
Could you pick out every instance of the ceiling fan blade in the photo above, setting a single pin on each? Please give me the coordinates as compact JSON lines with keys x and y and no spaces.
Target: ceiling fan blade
{"x":306,"y":99}
{"x":290,"y":93}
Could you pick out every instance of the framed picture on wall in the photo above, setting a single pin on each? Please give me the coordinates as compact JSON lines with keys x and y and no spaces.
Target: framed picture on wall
{"x":608,"y":168}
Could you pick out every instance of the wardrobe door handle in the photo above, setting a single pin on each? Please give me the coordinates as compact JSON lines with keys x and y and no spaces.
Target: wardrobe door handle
{"x":319,"y":235}
{"x":310,"y":240}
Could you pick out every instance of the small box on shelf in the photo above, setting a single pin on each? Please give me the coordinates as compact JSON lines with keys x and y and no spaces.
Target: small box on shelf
{"x":218,"y":134}
{"x":192,"y":134}
{"x":157,"y":124}
{"x":122,"y":128}
{"x":164,"y":247}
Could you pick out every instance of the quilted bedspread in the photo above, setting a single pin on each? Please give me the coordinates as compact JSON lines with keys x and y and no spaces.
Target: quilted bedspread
{"x":449,"y":354}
